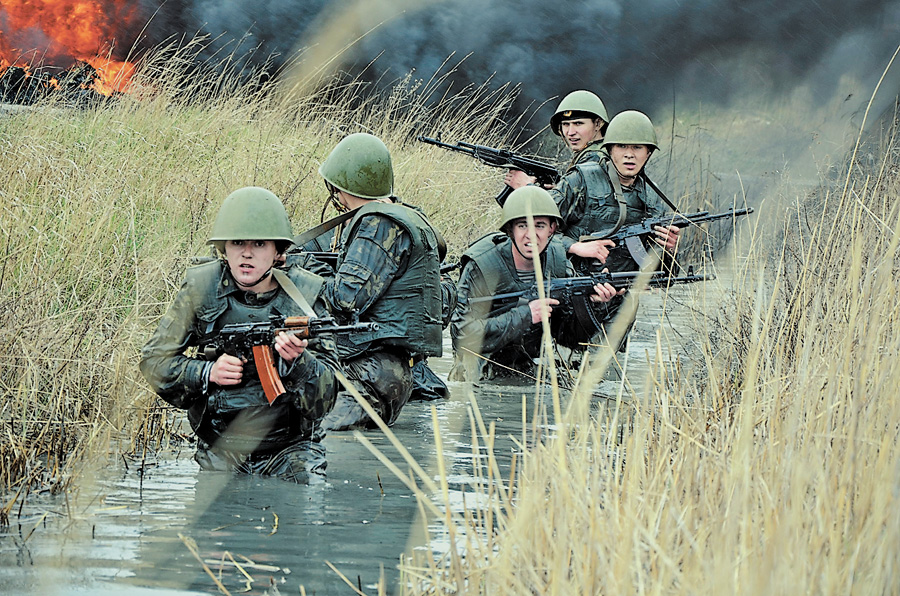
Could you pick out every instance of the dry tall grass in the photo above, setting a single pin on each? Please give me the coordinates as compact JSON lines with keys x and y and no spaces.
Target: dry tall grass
{"x":777,"y":474}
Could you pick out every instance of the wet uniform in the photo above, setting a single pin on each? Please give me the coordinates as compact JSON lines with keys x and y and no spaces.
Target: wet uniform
{"x":236,"y":427}
{"x":500,"y":331}
{"x":387,"y":273}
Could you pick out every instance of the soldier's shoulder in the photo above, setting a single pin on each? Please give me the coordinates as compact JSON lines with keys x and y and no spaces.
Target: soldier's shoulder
{"x":486,"y":243}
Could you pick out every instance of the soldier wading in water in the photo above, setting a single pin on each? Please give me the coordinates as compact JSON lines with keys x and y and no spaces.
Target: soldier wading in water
{"x":388,"y":272}
{"x":502,"y":336}
{"x":236,"y":427}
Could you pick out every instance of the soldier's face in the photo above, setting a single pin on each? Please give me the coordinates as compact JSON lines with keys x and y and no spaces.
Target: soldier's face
{"x":578,"y":132}
{"x":249,"y":261}
{"x":544,"y":227}
{"x":629,"y":159}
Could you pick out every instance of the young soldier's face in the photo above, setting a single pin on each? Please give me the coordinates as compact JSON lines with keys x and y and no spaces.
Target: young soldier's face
{"x":629,"y":159}
{"x":249,"y":260}
{"x":544,"y":227}
{"x":578,"y":132}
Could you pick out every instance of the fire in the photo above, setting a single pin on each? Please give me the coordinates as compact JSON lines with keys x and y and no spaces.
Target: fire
{"x":61,"y":32}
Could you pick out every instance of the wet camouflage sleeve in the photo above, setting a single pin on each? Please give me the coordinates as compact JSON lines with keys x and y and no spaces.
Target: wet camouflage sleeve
{"x":309,"y":379}
{"x":472,"y":326}
{"x":175,"y":377}
{"x":448,"y":300}
{"x":373,"y":257}
{"x":570,"y":195}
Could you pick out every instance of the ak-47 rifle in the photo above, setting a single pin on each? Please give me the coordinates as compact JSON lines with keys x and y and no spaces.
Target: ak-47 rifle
{"x":633,"y":234}
{"x":253,"y":342}
{"x":566,"y":289}
{"x":577,"y":319}
{"x":501,"y":158}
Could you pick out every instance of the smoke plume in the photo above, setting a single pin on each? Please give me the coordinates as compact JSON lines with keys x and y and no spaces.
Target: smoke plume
{"x":633,"y":54}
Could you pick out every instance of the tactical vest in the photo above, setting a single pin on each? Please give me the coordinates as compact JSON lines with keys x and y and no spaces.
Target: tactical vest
{"x":602,"y":210}
{"x":272,"y":427}
{"x":409,"y":311}
{"x":489,"y":253}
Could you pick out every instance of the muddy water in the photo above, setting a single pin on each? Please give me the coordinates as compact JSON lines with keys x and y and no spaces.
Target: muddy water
{"x":130,"y":526}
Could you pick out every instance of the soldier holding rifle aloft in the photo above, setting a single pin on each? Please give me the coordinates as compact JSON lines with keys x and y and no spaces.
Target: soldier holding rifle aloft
{"x":228,"y":404}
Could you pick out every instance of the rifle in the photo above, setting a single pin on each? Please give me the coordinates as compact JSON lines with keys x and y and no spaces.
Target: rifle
{"x":500,"y":158}
{"x":633,"y":233}
{"x":566,"y":289}
{"x":253,"y":342}
{"x":579,"y":319}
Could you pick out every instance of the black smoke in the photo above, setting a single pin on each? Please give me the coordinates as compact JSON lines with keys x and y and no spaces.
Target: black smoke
{"x":633,"y":54}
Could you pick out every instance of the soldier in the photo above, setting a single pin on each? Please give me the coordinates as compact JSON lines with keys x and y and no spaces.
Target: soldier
{"x":388,"y":272}
{"x":236,"y":427}
{"x":581,"y":120}
{"x":616,"y":191}
{"x":493,"y":337}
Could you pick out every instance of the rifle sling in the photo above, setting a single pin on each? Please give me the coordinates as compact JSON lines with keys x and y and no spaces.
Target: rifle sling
{"x":659,"y":191}
{"x":285,"y":282}
{"x":323,"y":227}
{"x":620,"y":197}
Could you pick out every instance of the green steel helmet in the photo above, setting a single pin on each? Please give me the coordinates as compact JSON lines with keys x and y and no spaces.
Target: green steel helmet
{"x":360,"y":165}
{"x":540,"y":201}
{"x":630,"y":128}
{"x":252,"y":213}
{"x":578,"y":104}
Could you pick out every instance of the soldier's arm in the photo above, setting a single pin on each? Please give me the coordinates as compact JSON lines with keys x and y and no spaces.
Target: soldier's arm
{"x":570,"y":195}
{"x":473,"y":325}
{"x":176,"y":378}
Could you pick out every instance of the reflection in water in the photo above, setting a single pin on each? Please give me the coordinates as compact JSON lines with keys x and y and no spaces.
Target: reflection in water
{"x":124,"y":531}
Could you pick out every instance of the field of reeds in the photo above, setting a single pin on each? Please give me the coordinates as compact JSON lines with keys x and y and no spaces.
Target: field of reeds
{"x":772,"y":470}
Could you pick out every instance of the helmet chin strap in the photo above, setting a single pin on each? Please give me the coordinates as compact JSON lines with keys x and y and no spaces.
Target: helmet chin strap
{"x":332,"y":194}
{"x":261,"y":279}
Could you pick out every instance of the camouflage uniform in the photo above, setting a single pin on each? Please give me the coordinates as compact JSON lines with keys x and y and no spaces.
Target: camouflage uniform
{"x":587,"y":202}
{"x":502,"y":333}
{"x":388,"y":273}
{"x":236,"y":427}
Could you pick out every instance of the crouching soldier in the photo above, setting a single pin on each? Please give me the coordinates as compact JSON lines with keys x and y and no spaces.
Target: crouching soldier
{"x":236,"y":426}
{"x":496,"y":327}
{"x":388,"y":272}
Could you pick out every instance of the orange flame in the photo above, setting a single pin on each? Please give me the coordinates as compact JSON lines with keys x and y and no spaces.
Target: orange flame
{"x":60,"y":30}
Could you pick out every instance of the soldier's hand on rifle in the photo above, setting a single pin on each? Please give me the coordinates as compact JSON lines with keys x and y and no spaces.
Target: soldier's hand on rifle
{"x":226,"y":370}
{"x":289,"y":346}
{"x":535,"y":306}
{"x":667,"y":236}
{"x":605,"y":293}
{"x":596,"y":249}
{"x":518,"y":179}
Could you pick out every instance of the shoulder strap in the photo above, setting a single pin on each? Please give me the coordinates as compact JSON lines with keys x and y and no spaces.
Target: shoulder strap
{"x":323,"y":227}
{"x":620,"y":196}
{"x":658,"y":191}
{"x":291,"y":289}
